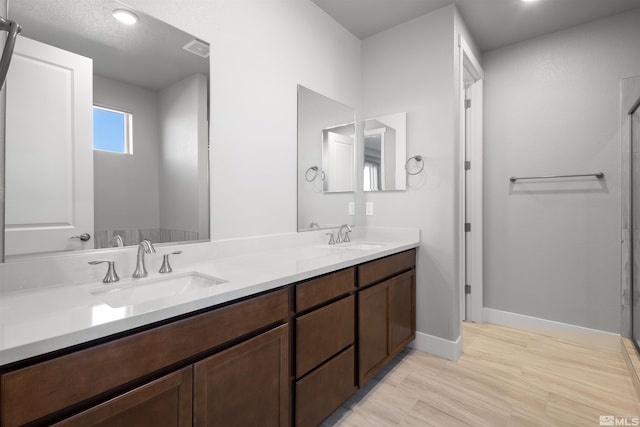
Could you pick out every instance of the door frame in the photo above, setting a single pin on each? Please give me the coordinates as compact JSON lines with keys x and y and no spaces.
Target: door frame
{"x":468,"y":61}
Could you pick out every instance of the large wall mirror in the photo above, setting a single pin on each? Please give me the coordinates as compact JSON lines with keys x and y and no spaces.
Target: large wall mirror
{"x":326,"y":161}
{"x":106,"y":130}
{"x":385,"y":153}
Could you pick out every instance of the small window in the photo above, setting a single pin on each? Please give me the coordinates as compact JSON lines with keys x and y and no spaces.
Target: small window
{"x":112,"y":130}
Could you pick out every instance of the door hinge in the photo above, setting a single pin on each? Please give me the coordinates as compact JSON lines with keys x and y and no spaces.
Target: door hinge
{"x":467,"y":165}
{"x":467,"y":289}
{"x":467,"y":226}
{"x":467,"y":103}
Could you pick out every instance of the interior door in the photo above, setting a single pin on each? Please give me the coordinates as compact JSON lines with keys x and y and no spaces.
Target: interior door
{"x":473,"y":203}
{"x":49,"y":150}
{"x":340,"y":171}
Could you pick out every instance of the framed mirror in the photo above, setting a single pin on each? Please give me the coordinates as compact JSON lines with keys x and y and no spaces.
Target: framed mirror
{"x":385,"y":153}
{"x":106,"y":130}
{"x":326,"y":161}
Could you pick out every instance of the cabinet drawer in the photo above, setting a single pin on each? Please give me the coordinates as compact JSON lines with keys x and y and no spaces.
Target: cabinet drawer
{"x":323,"y":333}
{"x":163,"y":402}
{"x":384,"y":268}
{"x":45,"y":388}
{"x":324,"y":390}
{"x":317,"y":291}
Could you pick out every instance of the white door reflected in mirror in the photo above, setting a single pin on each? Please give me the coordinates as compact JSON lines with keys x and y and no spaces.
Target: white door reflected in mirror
{"x":49,"y":172}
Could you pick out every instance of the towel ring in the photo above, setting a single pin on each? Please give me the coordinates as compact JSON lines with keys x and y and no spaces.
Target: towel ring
{"x":312,"y":173}
{"x":417,"y":159}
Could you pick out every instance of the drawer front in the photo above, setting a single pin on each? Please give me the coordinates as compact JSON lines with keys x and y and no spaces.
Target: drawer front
{"x":384,"y":268}
{"x":44,"y":388}
{"x":323,"y":333}
{"x":317,"y":291}
{"x":323,"y":391}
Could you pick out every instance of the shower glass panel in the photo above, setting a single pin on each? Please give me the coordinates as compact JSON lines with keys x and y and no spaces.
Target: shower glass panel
{"x":634,"y":218}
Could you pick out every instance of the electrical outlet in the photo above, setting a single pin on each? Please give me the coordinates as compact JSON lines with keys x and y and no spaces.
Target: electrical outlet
{"x":352,"y":208}
{"x":369,"y":208}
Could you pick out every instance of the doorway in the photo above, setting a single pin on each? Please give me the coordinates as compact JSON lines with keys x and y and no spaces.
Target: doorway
{"x":471,"y":116}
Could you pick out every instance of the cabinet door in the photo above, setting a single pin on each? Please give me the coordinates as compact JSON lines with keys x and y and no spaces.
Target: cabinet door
{"x":163,"y":402}
{"x":402,"y":312}
{"x":373,"y":327}
{"x":246,"y":385}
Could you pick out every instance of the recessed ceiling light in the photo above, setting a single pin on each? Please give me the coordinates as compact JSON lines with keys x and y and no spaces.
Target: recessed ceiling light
{"x":528,"y":1}
{"x":125,"y":16}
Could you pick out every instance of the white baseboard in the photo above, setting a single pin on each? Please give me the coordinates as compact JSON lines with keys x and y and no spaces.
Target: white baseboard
{"x":551,"y":328}
{"x":451,"y":350}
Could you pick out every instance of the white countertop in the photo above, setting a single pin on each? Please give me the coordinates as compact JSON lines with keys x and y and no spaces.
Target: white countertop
{"x":40,"y":320}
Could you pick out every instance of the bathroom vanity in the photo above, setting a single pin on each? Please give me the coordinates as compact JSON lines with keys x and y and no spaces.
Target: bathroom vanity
{"x":289,"y":355}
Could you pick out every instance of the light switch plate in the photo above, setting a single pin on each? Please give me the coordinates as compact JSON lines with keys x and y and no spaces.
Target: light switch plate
{"x":352,"y":208}
{"x":369,"y":208}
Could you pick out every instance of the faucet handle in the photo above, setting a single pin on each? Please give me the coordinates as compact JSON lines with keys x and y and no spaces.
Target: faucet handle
{"x":111,"y":275}
{"x":332,"y":240}
{"x":166,"y":267}
{"x":346,"y":238}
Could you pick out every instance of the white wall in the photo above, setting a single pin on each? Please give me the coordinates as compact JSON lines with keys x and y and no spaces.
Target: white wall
{"x":126,"y":186}
{"x":411,"y":68}
{"x":260,"y":51}
{"x":552,"y":106}
{"x":183,"y":142}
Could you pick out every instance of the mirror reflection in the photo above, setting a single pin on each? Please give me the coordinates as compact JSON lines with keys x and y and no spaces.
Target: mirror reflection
{"x":106,"y":130}
{"x":385,"y":148}
{"x":326,"y":157}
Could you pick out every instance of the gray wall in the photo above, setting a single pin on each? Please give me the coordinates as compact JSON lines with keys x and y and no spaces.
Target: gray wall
{"x":552,"y":106}
{"x":411,"y":68}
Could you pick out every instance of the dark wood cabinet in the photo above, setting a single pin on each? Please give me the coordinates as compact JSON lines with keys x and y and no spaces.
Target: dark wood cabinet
{"x":386,"y":311}
{"x":246,"y":385}
{"x":325,"y":346}
{"x":165,"y":402}
{"x":98,"y":372}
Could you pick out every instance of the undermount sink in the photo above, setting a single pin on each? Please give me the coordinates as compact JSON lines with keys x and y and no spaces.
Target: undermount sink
{"x":363,"y":246}
{"x":140,"y":291}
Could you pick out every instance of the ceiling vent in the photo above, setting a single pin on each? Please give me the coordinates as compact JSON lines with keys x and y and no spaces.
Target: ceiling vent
{"x":198,"y":47}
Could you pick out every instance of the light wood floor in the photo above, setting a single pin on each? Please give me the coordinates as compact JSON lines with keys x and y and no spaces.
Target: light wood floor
{"x":506,"y":377}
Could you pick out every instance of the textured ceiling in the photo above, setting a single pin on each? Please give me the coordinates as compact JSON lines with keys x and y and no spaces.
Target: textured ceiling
{"x":148,"y":54}
{"x":493,"y":23}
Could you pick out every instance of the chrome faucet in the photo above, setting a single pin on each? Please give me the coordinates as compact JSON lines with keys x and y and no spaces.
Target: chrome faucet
{"x":345,"y":238}
{"x":116,"y":241}
{"x":145,"y":246}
